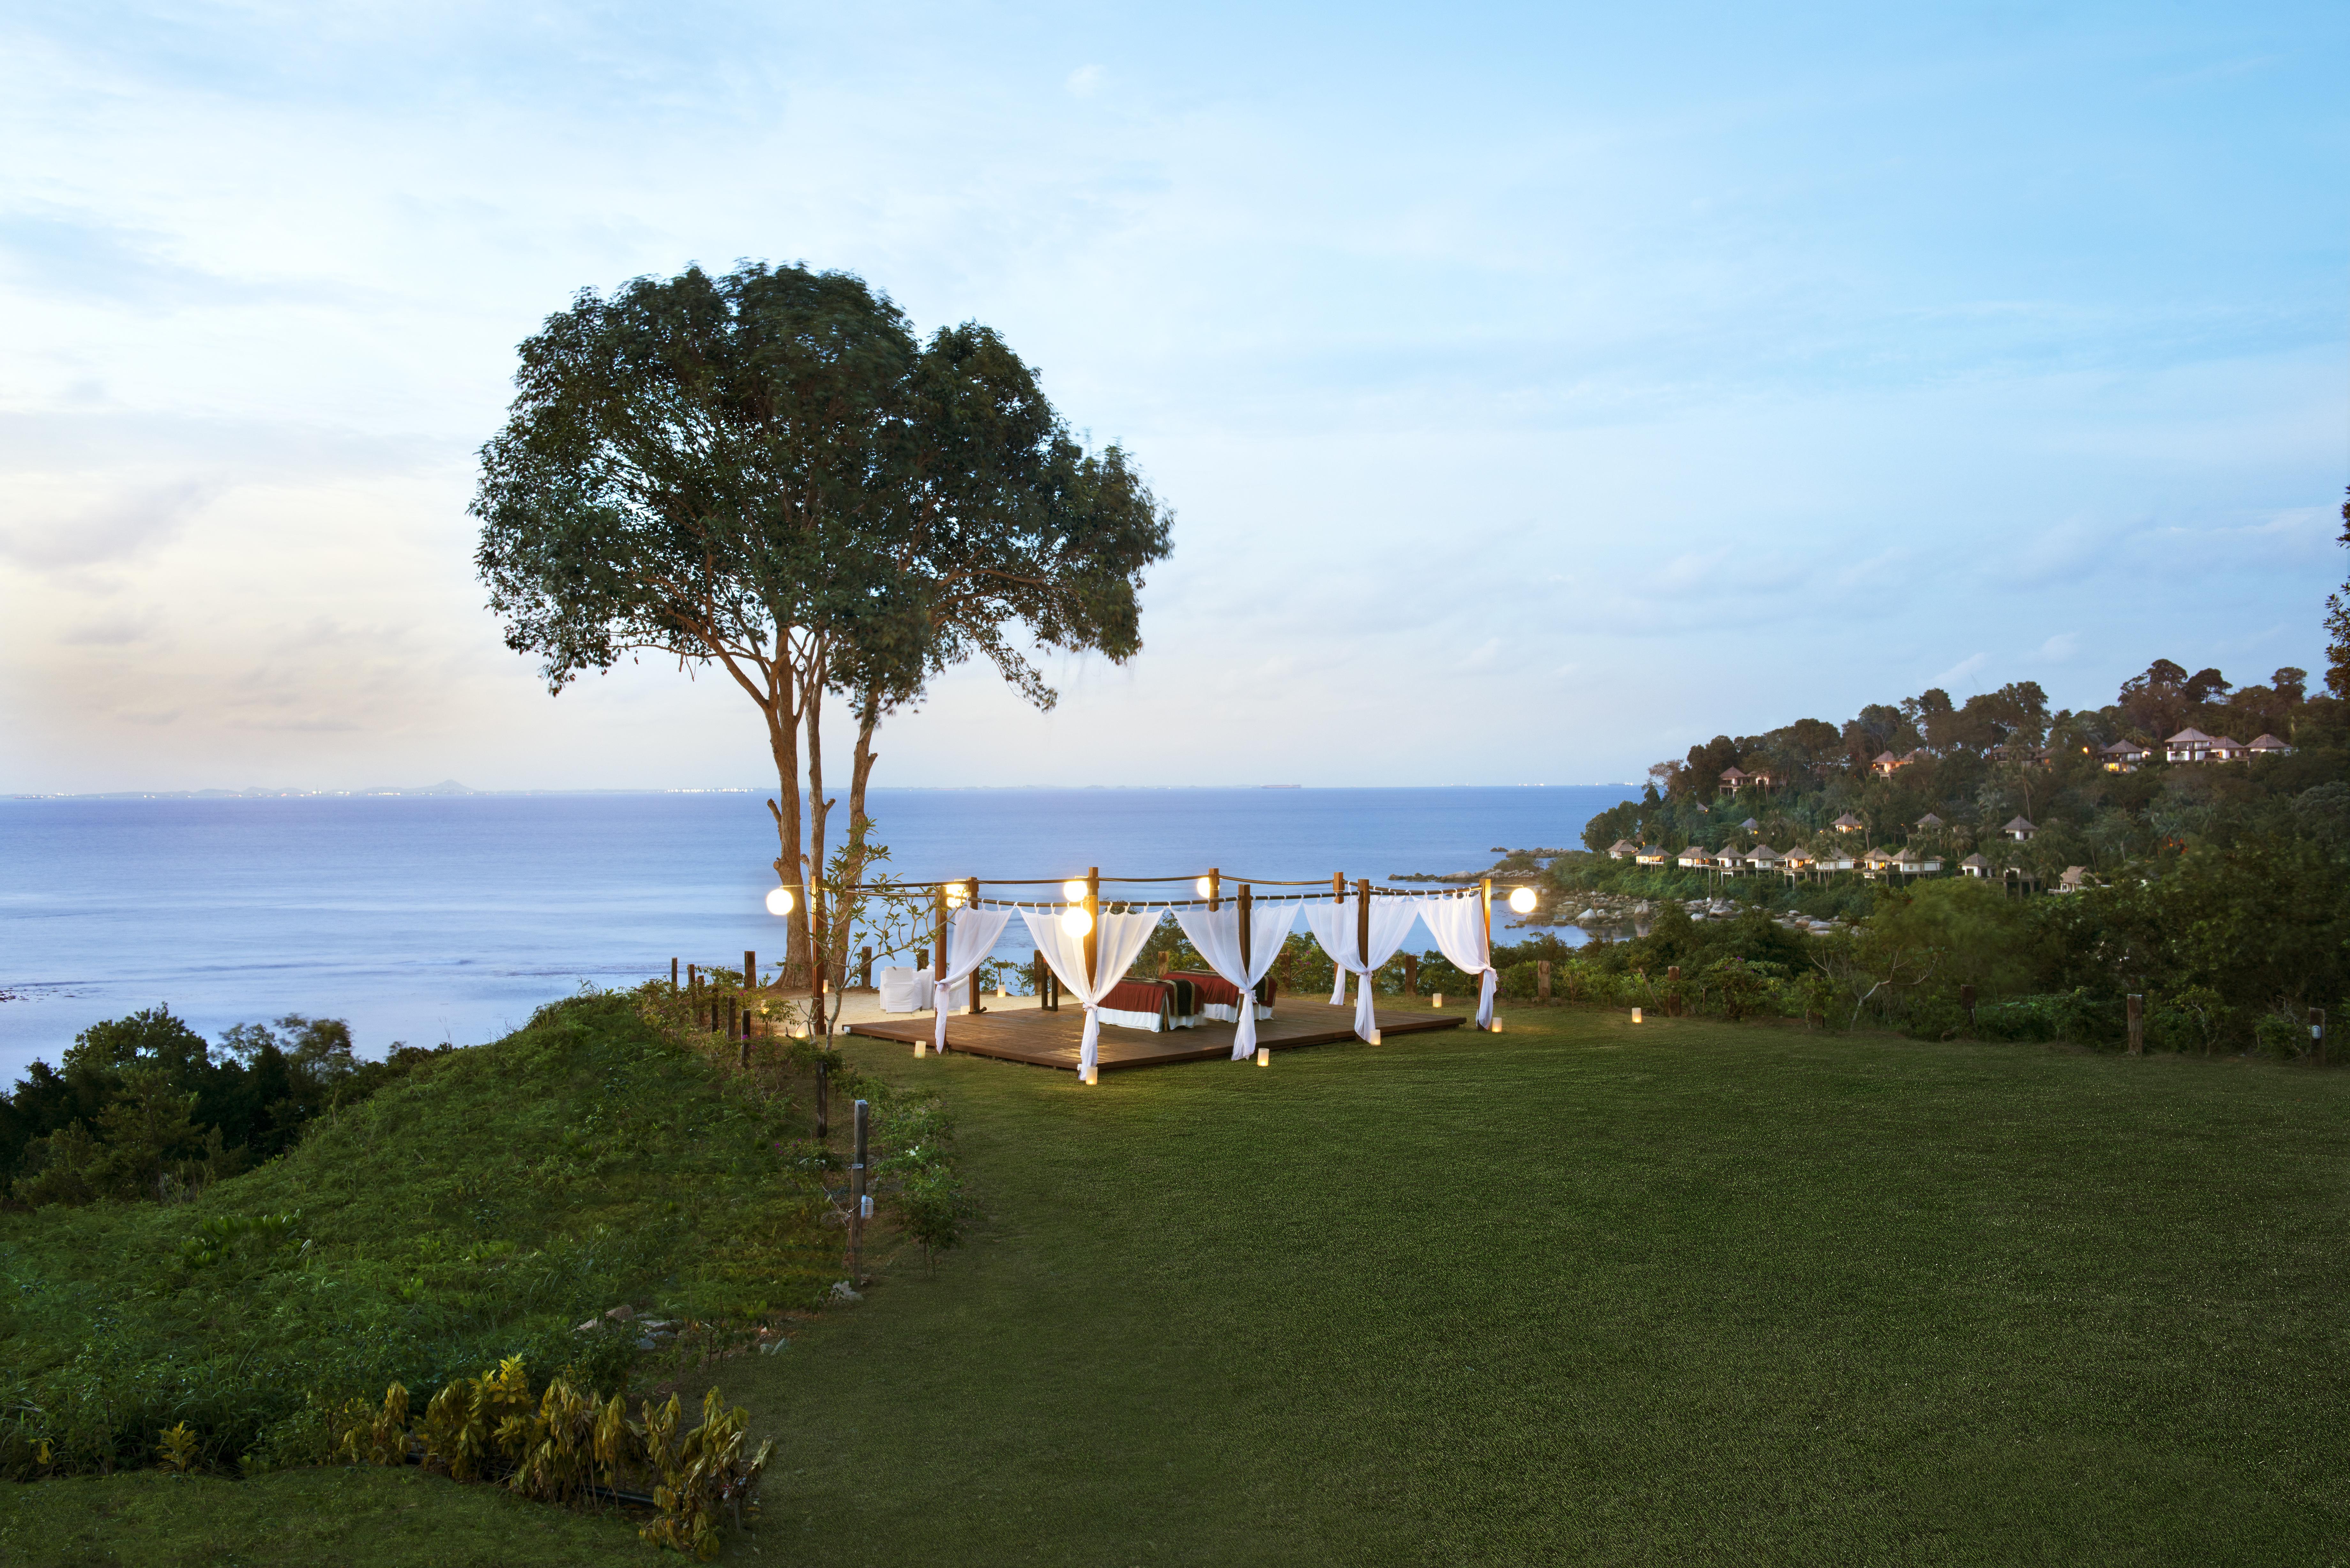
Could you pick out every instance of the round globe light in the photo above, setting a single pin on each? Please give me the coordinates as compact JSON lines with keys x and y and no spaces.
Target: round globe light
{"x":1073,"y":889}
{"x":779,"y":902}
{"x":1522,"y":899}
{"x":954,"y":896}
{"x":1077,"y":922}
{"x":1203,"y":886}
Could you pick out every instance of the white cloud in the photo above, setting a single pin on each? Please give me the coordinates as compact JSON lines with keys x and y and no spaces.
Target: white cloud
{"x":1084,"y":81}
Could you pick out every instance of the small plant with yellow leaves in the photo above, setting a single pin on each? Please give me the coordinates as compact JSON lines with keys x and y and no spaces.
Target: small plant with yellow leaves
{"x":177,"y":1453}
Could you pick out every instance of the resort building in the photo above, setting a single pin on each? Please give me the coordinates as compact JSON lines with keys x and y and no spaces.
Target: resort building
{"x":1910,"y":863}
{"x":1653,"y":854}
{"x":1831,"y":860}
{"x":2269,"y":746}
{"x":1733,"y":780}
{"x":1696,"y":857}
{"x":2020,"y":830}
{"x":1763,"y":857}
{"x":1848,"y":823}
{"x":1750,"y":826}
{"x":1730,"y":862}
{"x":2194,"y":746}
{"x":1929,"y":823}
{"x":1975,"y":866}
{"x":1886,"y":764}
{"x":2125,"y":756}
{"x":1876,"y":863}
{"x":1622,"y":848}
{"x":2076,"y":877}
{"x":1795,"y":860}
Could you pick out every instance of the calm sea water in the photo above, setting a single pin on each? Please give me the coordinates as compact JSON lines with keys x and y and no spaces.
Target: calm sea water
{"x":425,"y":920}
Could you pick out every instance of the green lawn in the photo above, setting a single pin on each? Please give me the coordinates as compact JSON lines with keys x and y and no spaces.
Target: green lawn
{"x":1587,"y":1290}
{"x":1684,"y":1291}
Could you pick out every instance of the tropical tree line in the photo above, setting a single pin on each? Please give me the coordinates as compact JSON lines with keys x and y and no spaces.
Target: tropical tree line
{"x":146,"y":1107}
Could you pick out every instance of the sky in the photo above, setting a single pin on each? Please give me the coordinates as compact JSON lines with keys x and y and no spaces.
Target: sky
{"x":1538,"y":391}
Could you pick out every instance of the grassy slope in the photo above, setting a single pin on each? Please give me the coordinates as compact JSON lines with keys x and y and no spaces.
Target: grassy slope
{"x":478,"y":1210}
{"x":1683,"y":1293}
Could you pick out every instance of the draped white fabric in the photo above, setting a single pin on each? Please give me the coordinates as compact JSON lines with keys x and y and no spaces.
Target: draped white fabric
{"x":1457,"y":921}
{"x":972,"y":935}
{"x":1338,"y":926}
{"x":1217,"y":935}
{"x":1118,"y":940}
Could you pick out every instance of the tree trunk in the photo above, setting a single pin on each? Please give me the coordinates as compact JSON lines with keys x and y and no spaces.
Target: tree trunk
{"x":812,"y":709}
{"x":783,"y":739}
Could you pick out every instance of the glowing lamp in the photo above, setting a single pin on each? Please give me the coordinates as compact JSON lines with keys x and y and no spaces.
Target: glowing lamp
{"x":1636,"y":1015}
{"x":1522,"y":899}
{"x":1077,"y":922}
{"x":954,"y":896}
{"x":779,"y":902}
{"x":1264,"y":1056}
{"x":1201,"y":884}
{"x":1073,"y":889}
{"x":1438,"y":1000}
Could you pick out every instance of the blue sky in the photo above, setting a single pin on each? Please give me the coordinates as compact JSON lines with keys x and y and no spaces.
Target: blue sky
{"x":1538,"y":391}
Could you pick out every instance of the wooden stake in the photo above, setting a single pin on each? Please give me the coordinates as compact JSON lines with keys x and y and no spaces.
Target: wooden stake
{"x":856,"y":1197}
{"x":2137,"y":1007}
{"x":865,"y":969}
{"x":750,"y":969}
{"x":1216,"y":892}
{"x":823,"y":1102}
{"x":673,"y":974}
{"x":938,"y":968}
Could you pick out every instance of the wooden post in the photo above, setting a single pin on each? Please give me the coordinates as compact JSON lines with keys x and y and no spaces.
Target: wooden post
{"x":865,"y":969}
{"x":1673,"y":995}
{"x":971,"y":901}
{"x":1967,"y":1001}
{"x":750,"y":969}
{"x":1093,"y":927}
{"x":856,"y":1197}
{"x":1485,"y":887}
{"x":1338,"y":887}
{"x":673,"y":975}
{"x":1216,"y":896}
{"x":2137,"y":1005}
{"x":1248,"y":953}
{"x":1363,"y":922}
{"x":746,"y":1063}
{"x":823,"y":1102}
{"x":694,"y":979}
{"x":1542,"y":978}
{"x":730,"y":1016}
{"x":2317,"y":1033}
{"x":1410,"y":975}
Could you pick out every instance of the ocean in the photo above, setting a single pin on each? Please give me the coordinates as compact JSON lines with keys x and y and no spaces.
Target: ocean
{"x":429,"y":919}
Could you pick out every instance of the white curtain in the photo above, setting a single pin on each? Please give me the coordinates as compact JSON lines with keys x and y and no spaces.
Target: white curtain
{"x":972,"y":935}
{"x":1217,"y":935}
{"x":1457,"y":921}
{"x":1338,"y":929}
{"x":1118,"y":940}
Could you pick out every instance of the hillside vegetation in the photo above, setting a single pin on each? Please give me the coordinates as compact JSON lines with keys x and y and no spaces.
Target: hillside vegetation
{"x":480,"y":1207}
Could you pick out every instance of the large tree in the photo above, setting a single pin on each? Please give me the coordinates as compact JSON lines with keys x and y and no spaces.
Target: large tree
{"x":766,"y":471}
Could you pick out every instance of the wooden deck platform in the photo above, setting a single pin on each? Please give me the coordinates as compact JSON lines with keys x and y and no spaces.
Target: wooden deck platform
{"x":1050,"y":1039}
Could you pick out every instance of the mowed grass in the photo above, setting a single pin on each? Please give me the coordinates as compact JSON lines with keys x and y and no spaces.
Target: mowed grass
{"x":1678,"y":1292}
{"x":1585,"y":1291}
